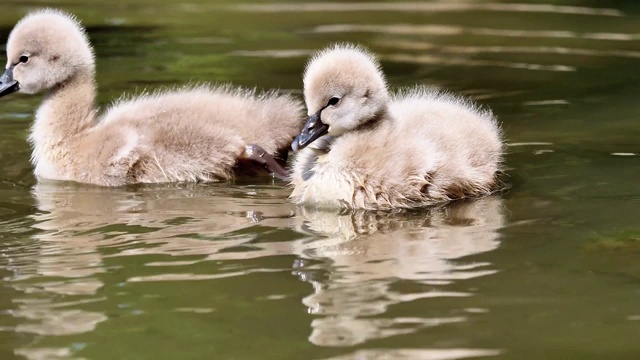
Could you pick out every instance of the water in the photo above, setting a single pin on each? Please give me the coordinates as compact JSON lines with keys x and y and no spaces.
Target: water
{"x":233,"y":271}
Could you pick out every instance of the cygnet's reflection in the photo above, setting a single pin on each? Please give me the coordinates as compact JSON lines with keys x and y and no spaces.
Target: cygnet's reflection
{"x":368,"y":255}
{"x":177,"y":219}
{"x":357,"y":262}
{"x":76,"y":227}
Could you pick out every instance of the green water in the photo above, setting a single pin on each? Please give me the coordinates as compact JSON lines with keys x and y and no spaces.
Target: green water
{"x":547,"y":270}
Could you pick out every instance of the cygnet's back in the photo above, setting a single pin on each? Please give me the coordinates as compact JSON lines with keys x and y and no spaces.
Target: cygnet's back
{"x":268,"y":119}
{"x":464,"y":138}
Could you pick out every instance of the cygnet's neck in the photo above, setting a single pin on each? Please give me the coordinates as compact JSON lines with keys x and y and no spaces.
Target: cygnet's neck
{"x":69,"y":108}
{"x":66,"y":112}
{"x":379,"y":119}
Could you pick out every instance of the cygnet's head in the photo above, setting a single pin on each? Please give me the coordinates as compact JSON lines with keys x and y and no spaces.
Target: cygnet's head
{"x":344,"y":89}
{"x":45,"y":49}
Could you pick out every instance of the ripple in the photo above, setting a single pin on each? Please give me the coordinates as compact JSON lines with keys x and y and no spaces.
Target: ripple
{"x":612,"y":36}
{"x":424,"y":7}
{"x":344,"y":331}
{"x":363,"y":254}
{"x":545,"y":102}
{"x":452,"y":61}
{"x":530,"y":143}
{"x":58,"y":322}
{"x":417,"y":354}
{"x":208,"y":40}
{"x":452,"y":30}
{"x":367,"y":254}
{"x":422,"y":59}
{"x":199,"y":277}
{"x":83,"y":286}
{"x":195,"y":310}
{"x":555,"y":50}
{"x":276,"y":54}
{"x":44,"y":353}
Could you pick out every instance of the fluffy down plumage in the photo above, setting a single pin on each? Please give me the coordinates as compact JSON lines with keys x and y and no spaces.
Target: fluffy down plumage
{"x":415,"y":148}
{"x":188,"y":134}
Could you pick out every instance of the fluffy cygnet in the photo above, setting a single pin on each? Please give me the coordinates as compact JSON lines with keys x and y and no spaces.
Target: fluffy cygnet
{"x":365,"y":148}
{"x":192,"y":134}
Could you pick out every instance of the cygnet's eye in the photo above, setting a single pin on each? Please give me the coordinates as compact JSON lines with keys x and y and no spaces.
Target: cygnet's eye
{"x":333,"y":101}
{"x":24,"y":59}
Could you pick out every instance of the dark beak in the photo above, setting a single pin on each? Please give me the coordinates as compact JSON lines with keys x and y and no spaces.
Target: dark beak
{"x":7,"y":84}
{"x":313,"y":129}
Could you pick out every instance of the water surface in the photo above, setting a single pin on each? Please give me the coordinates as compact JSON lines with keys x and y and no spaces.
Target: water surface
{"x":234,"y":271}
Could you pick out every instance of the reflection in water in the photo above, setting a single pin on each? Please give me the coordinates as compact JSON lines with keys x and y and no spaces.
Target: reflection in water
{"x":76,"y":223}
{"x":364,"y":255}
{"x":414,"y":354}
{"x":178,"y":220}
{"x":371,"y":254}
{"x":45,"y":353}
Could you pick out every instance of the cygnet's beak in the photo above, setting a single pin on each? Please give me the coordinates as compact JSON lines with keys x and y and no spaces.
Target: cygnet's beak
{"x":313,"y":129}
{"x":7,"y":83}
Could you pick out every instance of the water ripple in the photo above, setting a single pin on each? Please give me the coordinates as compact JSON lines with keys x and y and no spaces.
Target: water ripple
{"x":453,"y":30}
{"x":365,"y":255}
{"x":192,"y":277}
{"x":424,"y":7}
{"x":275,"y":54}
{"x":452,"y":61}
{"x":343,"y":331}
{"x":417,"y":354}
{"x":555,"y":50}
